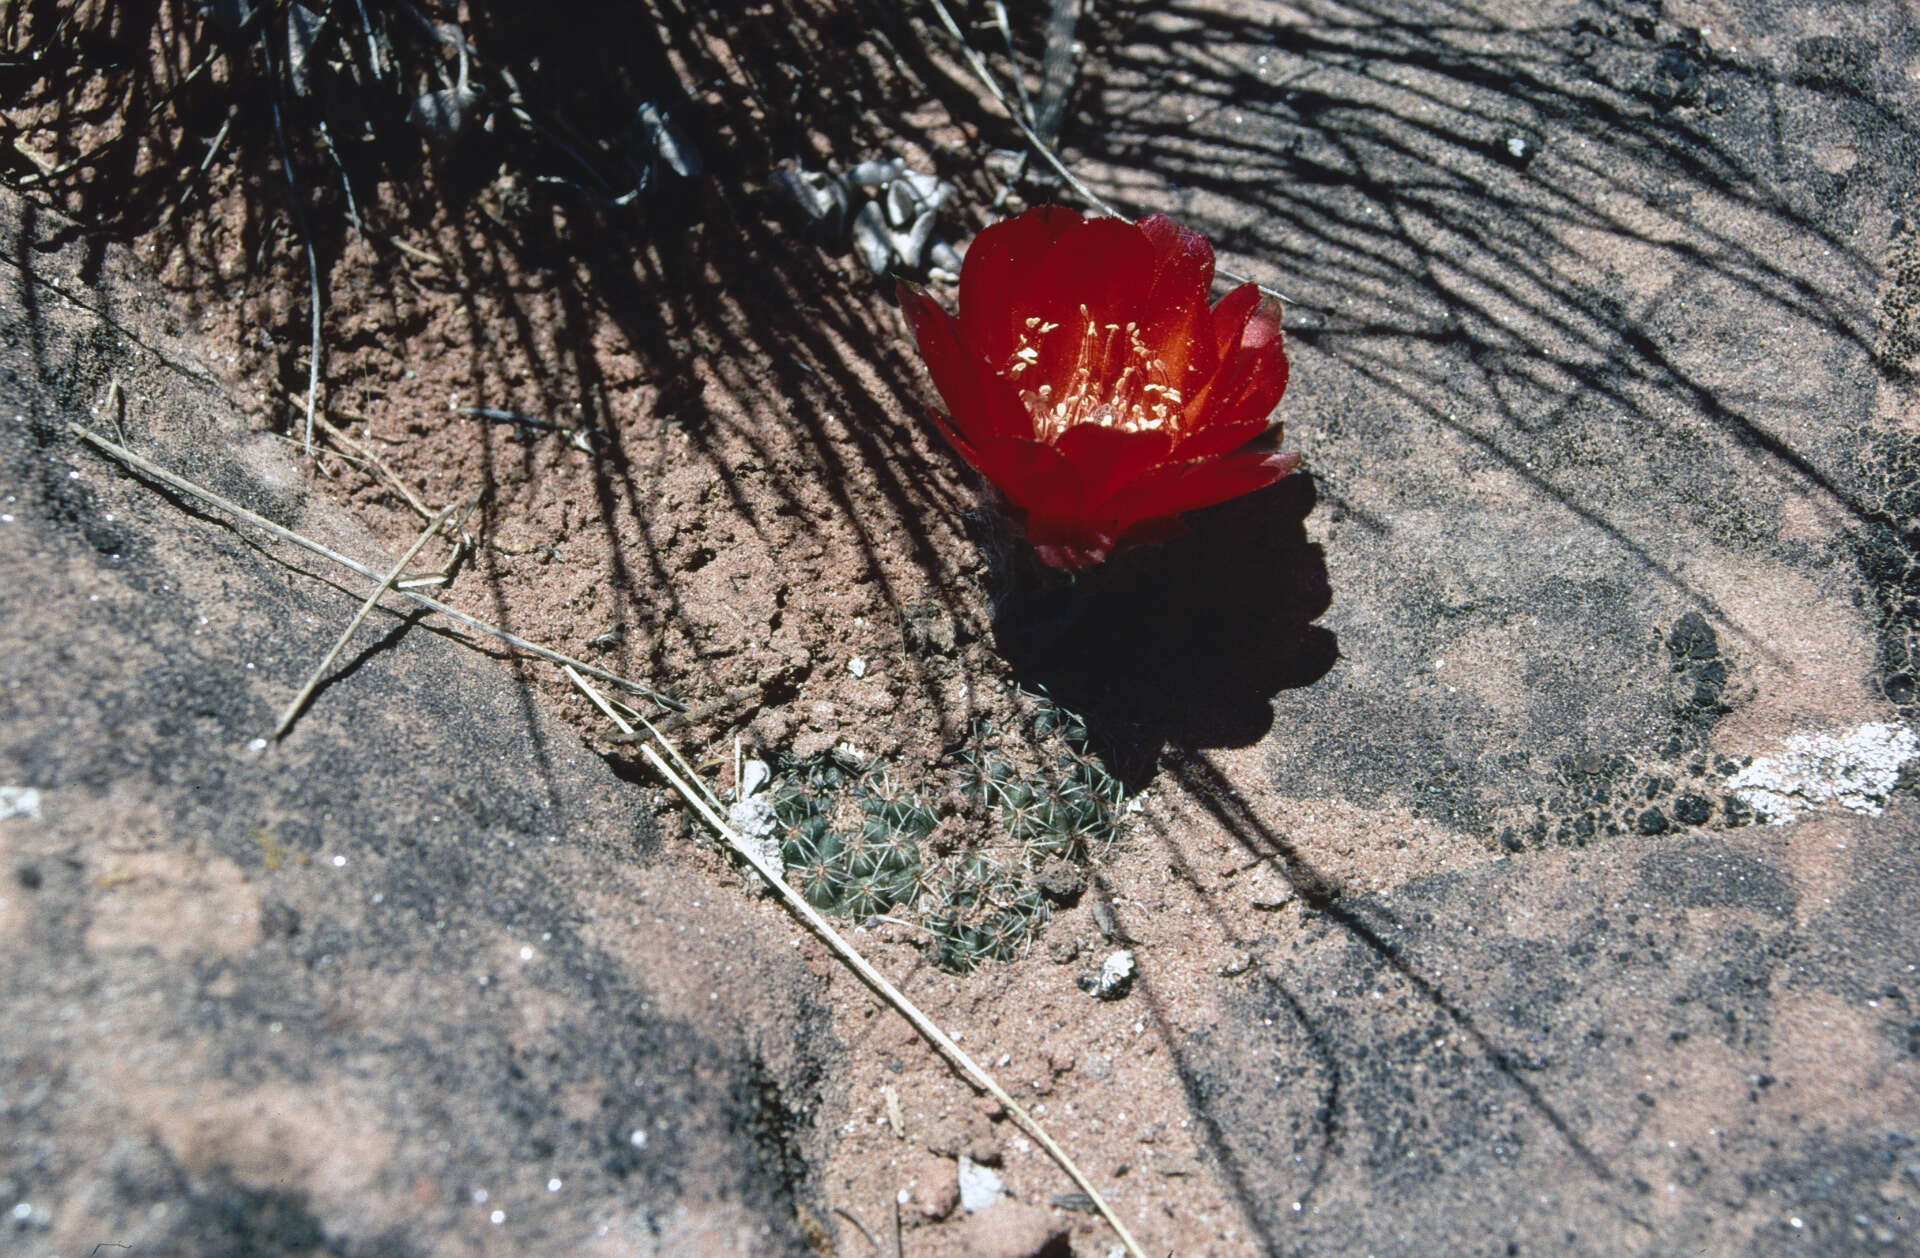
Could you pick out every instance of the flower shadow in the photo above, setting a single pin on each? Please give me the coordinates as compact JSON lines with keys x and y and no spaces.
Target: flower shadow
{"x":1184,"y":643}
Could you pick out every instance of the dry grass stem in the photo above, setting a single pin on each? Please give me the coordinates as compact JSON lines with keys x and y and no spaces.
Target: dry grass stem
{"x":699,"y":797}
{"x":339,"y":437}
{"x":149,"y":468}
{"x":854,"y":1219}
{"x":418,"y":255}
{"x":692,"y":716}
{"x":306,"y":239}
{"x":607,"y":706}
{"x":299,"y":703}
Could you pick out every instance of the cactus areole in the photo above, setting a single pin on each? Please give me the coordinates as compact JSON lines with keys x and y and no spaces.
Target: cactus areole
{"x":1088,"y":379}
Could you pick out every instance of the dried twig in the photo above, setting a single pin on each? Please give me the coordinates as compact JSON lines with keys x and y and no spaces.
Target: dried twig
{"x":320,"y":671}
{"x":417,"y":254}
{"x":854,"y":1219}
{"x":698,"y":797}
{"x":306,"y":239}
{"x":149,"y":468}
{"x":338,"y":436}
{"x":694,"y":715}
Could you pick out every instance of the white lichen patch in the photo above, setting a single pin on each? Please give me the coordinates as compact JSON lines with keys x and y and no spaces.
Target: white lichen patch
{"x":1856,"y":770}
{"x":19,"y":801}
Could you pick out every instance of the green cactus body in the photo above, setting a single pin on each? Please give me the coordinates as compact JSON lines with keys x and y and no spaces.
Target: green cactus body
{"x":852,"y":839}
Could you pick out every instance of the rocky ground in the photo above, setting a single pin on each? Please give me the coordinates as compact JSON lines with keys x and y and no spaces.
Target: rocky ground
{"x":1517,"y":849}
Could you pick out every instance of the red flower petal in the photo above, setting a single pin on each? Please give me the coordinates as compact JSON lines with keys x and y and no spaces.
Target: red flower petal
{"x":1263,"y":325}
{"x":979,"y":399}
{"x":1218,"y":439}
{"x":1181,"y":487}
{"x":1101,"y":267}
{"x":1176,"y":321}
{"x":1032,"y":474}
{"x":1250,"y":379}
{"x":1104,"y":265}
{"x":1108,"y":459}
{"x":1235,"y":406}
{"x":994,"y":278}
{"x":1230,"y":316}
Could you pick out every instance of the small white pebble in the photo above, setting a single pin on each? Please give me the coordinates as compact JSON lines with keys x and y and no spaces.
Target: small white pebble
{"x":339,"y":862}
{"x":479,"y":1196}
{"x":258,"y":744}
{"x":857,"y":666}
{"x":24,"y":1210}
{"x":526,"y":954}
{"x":6,"y":519}
{"x":553,"y":1185}
{"x":638,"y":1139}
{"x":497,"y":1217}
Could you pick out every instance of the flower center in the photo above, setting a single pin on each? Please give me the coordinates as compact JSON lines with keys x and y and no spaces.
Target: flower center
{"x":1117,"y":381}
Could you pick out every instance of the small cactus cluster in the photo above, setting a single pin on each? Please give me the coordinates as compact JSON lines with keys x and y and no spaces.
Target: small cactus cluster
{"x":1071,"y":813}
{"x":851,"y":836}
{"x":986,"y":912}
{"x":859,"y":870}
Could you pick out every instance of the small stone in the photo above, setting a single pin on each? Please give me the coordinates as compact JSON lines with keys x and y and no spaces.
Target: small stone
{"x":1114,"y":977}
{"x":1652,"y":821}
{"x":1268,"y":891}
{"x":938,"y":1191}
{"x":979,"y":1186}
{"x":1103,"y":919}
{"x":19,"y":801}
{"x":1061,"y":881}
{"x":1014,"y":1229}
{"x":754,"y":774}
{"x":1237,"y":965}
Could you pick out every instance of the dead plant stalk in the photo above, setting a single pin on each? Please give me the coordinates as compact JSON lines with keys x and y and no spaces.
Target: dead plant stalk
{"x":320,"y":671}
{"x":147,"y":467}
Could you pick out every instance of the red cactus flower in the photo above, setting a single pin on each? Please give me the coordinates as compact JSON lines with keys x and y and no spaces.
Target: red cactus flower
{"x":1088,"y":379}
